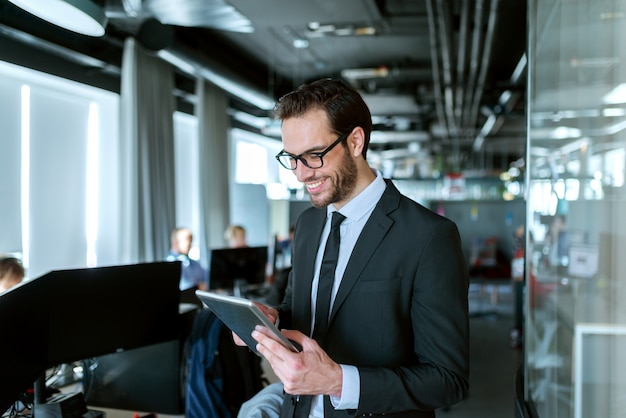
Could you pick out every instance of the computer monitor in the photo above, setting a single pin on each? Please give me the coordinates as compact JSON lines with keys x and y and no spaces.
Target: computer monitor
{"x":70,"y":315}
{"x":231,"y":266}
{"x":105,"y":309}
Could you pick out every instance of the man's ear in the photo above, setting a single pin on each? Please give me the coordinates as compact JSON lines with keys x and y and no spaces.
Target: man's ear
{"x":356,"y":141}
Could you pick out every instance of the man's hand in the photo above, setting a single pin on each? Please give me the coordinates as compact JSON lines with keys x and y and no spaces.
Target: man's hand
{"x":270,"y":313}
{"x":309,"y":372}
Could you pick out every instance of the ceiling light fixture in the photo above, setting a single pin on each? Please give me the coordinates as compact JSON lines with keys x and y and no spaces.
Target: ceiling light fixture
{"x":300,"y":43}
{"x":317,"y":30}
{"x":365,"y":73}
{"x":80,"y":16}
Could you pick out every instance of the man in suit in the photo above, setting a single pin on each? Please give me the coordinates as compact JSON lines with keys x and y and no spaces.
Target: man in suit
{"x":396,"y":341}
{"x":192,"y":273}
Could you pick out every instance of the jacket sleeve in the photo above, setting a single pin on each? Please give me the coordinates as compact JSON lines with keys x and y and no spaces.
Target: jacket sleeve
{"x":440,"y":325}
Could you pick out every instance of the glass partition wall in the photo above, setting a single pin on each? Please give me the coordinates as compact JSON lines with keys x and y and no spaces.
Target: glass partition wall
{"x":576,"y":222}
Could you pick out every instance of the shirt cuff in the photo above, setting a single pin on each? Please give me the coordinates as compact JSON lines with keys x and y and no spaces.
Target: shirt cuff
{"x":350,"y":389}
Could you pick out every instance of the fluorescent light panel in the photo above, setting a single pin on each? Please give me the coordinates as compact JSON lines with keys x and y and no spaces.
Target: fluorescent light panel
{"x":25,"y":173}
{"x":93,"y":190}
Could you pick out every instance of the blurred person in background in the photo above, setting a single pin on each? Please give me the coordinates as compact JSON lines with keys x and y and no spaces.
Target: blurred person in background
{"x":11,"y":272}
{"x":192,"y":274}
{"x":235,"y":235}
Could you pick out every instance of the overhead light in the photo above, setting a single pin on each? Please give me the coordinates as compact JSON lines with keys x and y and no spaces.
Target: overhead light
{"x":365,"y":73}
{"x":80,"y":16}
{"x":317,"y":29}
{"x":300,"y":43}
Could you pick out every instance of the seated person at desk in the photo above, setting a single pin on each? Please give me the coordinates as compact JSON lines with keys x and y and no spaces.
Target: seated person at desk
{"x":192,"y":274}
{"x":236,"y":236}
{"x":11,"y":272}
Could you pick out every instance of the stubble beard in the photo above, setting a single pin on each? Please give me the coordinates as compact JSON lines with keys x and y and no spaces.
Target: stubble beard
{"x":343,"y":183}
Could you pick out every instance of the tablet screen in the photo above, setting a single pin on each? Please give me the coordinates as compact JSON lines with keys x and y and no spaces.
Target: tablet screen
{"x":241,"y":316}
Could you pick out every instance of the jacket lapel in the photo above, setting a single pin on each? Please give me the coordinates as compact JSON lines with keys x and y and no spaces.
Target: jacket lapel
{"x":310,"y":228}
{"x":373,"y":233}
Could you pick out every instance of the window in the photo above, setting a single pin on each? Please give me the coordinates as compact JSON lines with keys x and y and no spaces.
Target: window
{"x":59,"y":172}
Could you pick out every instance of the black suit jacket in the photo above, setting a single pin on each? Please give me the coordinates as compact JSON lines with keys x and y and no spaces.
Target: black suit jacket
{"x":400,"y":314}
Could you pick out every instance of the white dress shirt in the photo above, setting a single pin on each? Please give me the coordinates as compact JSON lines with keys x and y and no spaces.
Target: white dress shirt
{"x":357,"y":211}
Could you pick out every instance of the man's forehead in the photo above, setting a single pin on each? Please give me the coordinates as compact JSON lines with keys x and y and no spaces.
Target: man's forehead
{"x":308,"y":131}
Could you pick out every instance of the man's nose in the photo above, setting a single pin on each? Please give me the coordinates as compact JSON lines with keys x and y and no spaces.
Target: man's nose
{"x":303,"y":172}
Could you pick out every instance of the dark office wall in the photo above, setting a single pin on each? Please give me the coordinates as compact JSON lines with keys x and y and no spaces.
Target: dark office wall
{"x":481,"y":219}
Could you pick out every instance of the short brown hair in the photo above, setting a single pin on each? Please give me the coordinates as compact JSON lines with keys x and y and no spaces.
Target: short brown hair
{"x":11,"y":266}
{"x":344,"y":106}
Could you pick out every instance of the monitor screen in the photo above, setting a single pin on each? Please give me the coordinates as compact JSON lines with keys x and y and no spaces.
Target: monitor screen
{"x":229,"y":265}
{"x":70,"y":315}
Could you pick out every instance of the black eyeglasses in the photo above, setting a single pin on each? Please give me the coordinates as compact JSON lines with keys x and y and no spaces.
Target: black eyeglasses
{"x":309,"y":159}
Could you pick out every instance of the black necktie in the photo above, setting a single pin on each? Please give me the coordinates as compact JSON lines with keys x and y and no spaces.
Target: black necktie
{"x":326,"y":279}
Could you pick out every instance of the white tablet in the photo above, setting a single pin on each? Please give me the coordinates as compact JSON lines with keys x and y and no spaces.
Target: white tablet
{"x":241,"y":316}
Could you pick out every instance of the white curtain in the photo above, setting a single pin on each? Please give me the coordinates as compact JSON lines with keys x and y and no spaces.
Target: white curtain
{"x":213,"y":125}
{"x":147,"y":146}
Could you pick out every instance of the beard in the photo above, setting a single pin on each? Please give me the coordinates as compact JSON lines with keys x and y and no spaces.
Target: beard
{"x":343,"y":182}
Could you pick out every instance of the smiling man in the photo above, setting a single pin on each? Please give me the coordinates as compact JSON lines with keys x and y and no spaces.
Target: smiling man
{"x":391,"y":335}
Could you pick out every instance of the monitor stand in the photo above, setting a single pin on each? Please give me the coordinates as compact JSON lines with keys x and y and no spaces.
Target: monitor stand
{"x":240,"y":288}
{"x":60,"y":405}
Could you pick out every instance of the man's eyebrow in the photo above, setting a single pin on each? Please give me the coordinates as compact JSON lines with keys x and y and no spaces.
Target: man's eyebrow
{"x":316,"y":148}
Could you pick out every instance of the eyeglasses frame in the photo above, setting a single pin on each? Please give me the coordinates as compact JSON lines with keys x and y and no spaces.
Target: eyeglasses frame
{"x":319,"y":155}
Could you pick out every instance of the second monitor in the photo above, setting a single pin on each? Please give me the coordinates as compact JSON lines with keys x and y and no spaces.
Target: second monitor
{"x":232,"y":268}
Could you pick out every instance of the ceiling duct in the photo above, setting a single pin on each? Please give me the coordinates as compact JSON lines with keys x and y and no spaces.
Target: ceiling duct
{"x":185,"y":59}
{"x":214,"y":14}
{"x":195,"y":65}
{"x":458,"y":95}
{"x":150,"y":21}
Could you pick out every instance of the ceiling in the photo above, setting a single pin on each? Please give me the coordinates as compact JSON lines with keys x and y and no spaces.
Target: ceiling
{"x":445,"y":79}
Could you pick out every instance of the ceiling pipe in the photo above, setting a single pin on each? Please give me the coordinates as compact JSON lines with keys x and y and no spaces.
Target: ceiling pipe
{"x":486,"y":57}
{"x":473,"y":63}
{"x":461,"y":60}
{"x":458,"y":112}
{"x":157,"y":37}
{"x":445,"y":33}
{"x":181,"y":57}
{"x":434,"y":59}
{"x":507,"y":102}
{"x":192,"y":64}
